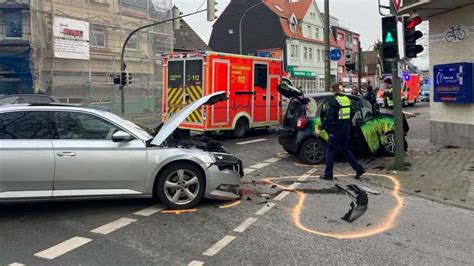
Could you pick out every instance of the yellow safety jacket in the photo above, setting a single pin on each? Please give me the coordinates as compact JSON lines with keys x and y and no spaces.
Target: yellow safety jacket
{"x":345,"y":110}
{"x":390,"y":98}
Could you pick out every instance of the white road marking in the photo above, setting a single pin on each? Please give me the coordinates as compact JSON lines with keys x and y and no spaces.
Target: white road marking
{"x":294,"y":185}
{"x":196,"y":263}
{"x":259,"y":165}
{"x":265,"y":208}
{"x":219,"y":246}
{"x":115,"y":225}
{"x":303,"y":177}
{"x":251,"y":141}
{"x":283,"y":155}
{"x":16,"y":264}
{"x":246,"y":224}
{"x":282,"y":195}
{"x":149,"y":211}
{"x":312,"y":171}
{"x":272,"y":160}
{"x":63,"y":248}
{"x":249,"y":170}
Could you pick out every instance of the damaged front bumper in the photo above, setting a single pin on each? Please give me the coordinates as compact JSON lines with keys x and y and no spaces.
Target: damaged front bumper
{"x":224,"y":177}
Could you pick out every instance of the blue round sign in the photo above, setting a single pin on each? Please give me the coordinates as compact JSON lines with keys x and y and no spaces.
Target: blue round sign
{"x":335,"y":54}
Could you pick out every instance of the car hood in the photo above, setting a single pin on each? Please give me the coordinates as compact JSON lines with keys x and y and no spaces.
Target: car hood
{"x":289,"y":91}
{"x":173,"y":122}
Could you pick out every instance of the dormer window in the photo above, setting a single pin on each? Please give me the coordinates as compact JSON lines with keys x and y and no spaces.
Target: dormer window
{"x":293,"y":23}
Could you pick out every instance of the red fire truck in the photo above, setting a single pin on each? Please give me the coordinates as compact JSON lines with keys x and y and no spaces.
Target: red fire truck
{"x":250,"y":84}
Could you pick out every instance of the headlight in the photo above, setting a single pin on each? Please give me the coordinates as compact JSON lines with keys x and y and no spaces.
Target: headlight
{"x":227,"y":161}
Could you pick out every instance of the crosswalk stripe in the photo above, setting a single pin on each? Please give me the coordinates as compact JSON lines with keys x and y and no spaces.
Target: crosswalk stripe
{"x":63,"y":248}
{"x":149,"y":211}
{"x":219,"y":246}
{"x":115,"y":225}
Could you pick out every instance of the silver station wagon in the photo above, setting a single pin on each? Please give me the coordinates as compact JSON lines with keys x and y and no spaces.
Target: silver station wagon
{"x":52,"y":151}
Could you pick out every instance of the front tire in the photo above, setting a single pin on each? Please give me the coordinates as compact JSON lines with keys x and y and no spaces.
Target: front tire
{"x":313,"y":151}
{"x":180,"y":186}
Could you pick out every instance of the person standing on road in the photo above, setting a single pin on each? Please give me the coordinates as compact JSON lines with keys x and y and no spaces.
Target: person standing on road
{"x":370,"y":96}
{"x":388,"y":94}
{"x":337,"y":123}
{"x":355,"y":91}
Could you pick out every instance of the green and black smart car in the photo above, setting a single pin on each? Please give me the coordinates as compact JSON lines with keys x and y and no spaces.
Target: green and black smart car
{"x":372,"y":131}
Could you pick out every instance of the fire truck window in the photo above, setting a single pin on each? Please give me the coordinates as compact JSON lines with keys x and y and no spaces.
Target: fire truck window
{"x":261,"y":76}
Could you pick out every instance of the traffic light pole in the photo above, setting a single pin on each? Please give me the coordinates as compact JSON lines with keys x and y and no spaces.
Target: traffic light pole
{"x":359,"y":73}
{"x":122,"y":55}
{"x":327,"y":47}
{"x":398,"y":116}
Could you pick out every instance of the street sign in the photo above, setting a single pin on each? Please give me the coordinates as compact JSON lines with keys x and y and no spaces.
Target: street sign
{"x":335,"y":54}
{"x":397,"y":4}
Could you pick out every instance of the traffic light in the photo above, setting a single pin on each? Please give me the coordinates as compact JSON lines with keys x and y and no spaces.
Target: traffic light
{"x":129,"y":79}
{"x":389,"y":38}
{"x":116,"y":79}
{"x":123,"y":78}
{"x":211,"y":10}
{"x":411,"y":35}
{"x":176,"y":18}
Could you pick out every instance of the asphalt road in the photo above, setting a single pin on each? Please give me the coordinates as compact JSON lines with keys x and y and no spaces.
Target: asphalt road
{"x":396,"y":229}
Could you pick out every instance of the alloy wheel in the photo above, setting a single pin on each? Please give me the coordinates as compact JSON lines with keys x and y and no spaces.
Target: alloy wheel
{"x":390,"y":143}
{"x":314,"y":152}
{"x":181,"y":187}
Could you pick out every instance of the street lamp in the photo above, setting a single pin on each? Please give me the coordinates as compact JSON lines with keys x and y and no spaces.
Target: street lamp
{"x":241,"y":20}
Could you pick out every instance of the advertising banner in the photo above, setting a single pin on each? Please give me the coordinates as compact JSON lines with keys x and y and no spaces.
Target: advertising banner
{"x":71,"y":38}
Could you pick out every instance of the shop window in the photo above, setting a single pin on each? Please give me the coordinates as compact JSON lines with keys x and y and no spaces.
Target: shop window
{"x":13,"y":24}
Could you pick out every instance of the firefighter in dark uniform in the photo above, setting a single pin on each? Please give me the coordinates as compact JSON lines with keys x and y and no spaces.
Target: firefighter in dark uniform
{"x":337,"y":123}
{"x":388,"y":94}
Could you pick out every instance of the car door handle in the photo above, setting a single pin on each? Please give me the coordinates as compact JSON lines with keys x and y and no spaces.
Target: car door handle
{"x":66,"y":154}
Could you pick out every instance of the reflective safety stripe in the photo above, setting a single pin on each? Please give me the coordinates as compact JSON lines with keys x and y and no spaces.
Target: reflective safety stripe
{"x":390,"y":101}
{"x":345,"y":110}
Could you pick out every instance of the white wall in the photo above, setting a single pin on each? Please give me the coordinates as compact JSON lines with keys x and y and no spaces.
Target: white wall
{"x":443,"y":53}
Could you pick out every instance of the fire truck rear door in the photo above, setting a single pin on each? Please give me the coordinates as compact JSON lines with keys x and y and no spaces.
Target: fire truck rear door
{"x":175,"y":92}
{"x":221,"y":82}
{"x":194,"y":87}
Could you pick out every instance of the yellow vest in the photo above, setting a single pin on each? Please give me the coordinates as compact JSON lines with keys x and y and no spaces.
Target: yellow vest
{"x":345,"y":110}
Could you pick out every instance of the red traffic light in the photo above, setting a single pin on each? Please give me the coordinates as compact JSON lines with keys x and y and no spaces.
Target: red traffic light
{"x":411,"y":23}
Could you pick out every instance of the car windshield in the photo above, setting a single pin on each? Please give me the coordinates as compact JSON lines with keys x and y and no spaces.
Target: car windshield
{"x":8,"y":100}
{"x":145,"y":130}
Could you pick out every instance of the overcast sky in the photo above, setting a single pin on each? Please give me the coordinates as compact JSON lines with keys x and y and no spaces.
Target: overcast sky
{"x":360,"y":16}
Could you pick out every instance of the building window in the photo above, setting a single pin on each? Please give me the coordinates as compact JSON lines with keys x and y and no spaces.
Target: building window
{"x":13,"y":24}
{"x":293,"y":23}
{"x":355,"y":41}
{"x":294,"y":51}
{"x":319,"y":55}
{"x":305,"y":53}
{"x":317,"y":33}
{"x":310,"y":33}
{"x":310,"y":54}
{"x":340,"y":36}
{"x":133,"y":42}
{"x":98,"y":36}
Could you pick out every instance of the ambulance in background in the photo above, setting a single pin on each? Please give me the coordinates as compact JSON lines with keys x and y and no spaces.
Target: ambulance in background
{"x":250,"y":84}
{"x":410,"y":93}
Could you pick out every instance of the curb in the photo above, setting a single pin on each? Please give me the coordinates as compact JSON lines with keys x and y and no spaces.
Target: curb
{"x":425,"y":196}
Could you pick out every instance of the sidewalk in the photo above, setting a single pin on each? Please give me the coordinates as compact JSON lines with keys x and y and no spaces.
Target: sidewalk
{"x":438,"y":173}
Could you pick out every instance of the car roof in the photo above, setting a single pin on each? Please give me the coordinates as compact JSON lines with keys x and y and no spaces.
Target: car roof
{"x":43,"y":106}
{"x":323,"y":95}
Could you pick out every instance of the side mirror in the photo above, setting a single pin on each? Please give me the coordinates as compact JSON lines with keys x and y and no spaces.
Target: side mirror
{"x":121,"y":136}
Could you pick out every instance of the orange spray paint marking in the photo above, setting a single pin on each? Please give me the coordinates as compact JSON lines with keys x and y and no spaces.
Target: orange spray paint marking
{"x":386,"y":224}
{"x":178,"y":211}
{"x":230,"y":205}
